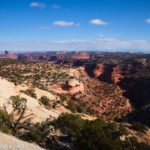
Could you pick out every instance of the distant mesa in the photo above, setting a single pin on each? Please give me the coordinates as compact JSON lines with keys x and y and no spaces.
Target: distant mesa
{"x":81,"y":55}
{"x":54,"y":56}
{"x":9,"y":54}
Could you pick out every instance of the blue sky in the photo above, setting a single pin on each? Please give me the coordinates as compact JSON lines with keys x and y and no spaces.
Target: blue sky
{"x":75,"y":25}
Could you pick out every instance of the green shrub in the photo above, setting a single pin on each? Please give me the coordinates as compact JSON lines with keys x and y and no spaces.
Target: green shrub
{"x":29,"y":92}
{"x":84,"y":109}
{"x":70,"y":124}
{"x":139,"y":127}
{"x":18,"y":102}
{"x":72,"y":105}
{"x":45,"y":101}
{"x":63,"y":97}
{"x":5,"y":122}
{"x":96,"y":135}
{"x":76,"y":107}
{"x":39,"y":132}
{"x":19,"y":107}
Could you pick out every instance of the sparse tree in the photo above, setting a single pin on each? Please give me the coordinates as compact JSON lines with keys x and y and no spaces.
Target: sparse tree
{"x":17,"y":116}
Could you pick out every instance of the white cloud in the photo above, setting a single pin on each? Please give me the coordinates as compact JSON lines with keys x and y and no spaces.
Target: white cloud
{"x":65,"y":23}
{"x":37,"y":5}
{"x":56,"y":6}
{"x":103,"y":44}
{"x":98,"y":22}
{"x":147,"y":20}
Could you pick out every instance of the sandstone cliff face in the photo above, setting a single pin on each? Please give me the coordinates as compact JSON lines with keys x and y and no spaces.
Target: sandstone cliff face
{"x":119,"y":72}
{"x":131,"y":76}
{"x":103,"y":72}
{"x":99,"y":70}
{"x":111,"y":73}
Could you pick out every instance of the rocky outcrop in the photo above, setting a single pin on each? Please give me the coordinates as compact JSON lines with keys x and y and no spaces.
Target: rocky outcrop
{"x":73,"y":86}
{"x":10,"y":55}
{"x":103,"y":72}
{"x":119,"y":72}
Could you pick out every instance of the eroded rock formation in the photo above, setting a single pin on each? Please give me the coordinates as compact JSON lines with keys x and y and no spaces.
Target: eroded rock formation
{"x":103,"y":72}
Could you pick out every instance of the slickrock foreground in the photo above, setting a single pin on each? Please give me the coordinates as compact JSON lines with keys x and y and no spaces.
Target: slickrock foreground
{"x":8,"y":142}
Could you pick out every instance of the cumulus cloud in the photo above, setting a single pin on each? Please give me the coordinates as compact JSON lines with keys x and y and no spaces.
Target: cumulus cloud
{"x":65,"y":23}
{"x":56,"y":6}
{"x":37,"y":5}
{"x":147,"y":20}
{"x":97,"y":22}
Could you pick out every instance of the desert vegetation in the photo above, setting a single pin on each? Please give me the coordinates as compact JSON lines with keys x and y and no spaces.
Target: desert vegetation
{"x":11,"y":122}
{"x":97,"y":134}
{"x":96,"y":111}
{"x":44,"y":100}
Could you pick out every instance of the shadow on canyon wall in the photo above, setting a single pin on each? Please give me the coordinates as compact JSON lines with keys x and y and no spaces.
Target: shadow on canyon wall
{"x":89,"y":69}
{"x":104,"y":72}
{"x":137,"y":91}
